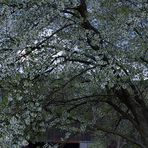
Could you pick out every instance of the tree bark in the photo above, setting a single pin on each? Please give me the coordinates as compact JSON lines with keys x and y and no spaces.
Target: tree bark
{"x":138,"y":110}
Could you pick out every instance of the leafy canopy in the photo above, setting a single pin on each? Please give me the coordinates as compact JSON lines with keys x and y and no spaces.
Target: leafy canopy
{"x":60,"y":58}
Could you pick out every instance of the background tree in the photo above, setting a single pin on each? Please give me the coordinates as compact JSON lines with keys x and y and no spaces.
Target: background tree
{"x":60,"y":57}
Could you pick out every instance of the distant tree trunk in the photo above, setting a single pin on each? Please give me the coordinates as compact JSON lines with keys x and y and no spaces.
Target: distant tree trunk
{"x":119,"y":142}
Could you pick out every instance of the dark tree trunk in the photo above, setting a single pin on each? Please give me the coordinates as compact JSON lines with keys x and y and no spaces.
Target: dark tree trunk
{"x":138,"y":111}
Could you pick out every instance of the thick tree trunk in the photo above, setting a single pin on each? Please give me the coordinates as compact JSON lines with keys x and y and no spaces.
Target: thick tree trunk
{"x":141,"y":118}
{"x":143,"y":128}
{"x":138,"y":111}
{"x":144,"y":136}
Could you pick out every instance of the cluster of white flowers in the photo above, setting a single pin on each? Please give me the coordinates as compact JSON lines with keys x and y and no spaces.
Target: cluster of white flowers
{"x":45,"y":56}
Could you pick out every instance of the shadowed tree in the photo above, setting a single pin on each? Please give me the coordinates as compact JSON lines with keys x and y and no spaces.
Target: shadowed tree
{"x":62,"y":57}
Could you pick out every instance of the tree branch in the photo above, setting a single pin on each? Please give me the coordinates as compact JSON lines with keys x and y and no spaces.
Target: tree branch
{"x":39,"y":45}
{"x":119,"y":134}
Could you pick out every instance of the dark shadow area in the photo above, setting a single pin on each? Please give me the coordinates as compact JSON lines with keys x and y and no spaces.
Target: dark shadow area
{"x":71,"y":145}
{"x":41,"y":144}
